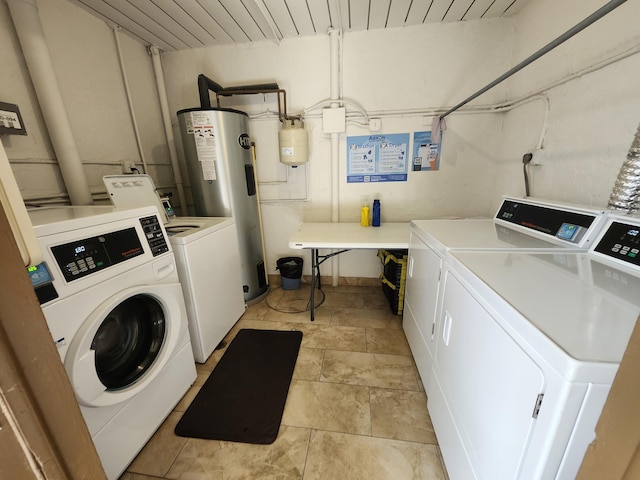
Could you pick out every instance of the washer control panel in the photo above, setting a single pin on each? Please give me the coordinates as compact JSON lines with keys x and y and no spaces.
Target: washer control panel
{"x":83,"y":257}
{"x":80,"y":258}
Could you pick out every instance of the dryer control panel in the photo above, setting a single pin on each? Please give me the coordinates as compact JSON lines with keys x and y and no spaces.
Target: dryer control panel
{"x":563,"y":224}
{"x":621,"y":241}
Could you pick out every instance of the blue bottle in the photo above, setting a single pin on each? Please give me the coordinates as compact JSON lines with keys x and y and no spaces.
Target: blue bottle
{"x":375,"y":220}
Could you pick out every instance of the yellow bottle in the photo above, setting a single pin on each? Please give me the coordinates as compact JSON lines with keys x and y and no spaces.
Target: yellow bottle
{"x":364,"y":216}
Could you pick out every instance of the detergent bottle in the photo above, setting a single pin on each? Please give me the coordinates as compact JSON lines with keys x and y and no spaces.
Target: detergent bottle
{"x":375,"y":222}
{"x":364,"y":215}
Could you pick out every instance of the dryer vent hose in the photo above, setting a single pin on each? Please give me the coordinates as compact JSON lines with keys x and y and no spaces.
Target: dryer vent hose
{"x":627,"y":187}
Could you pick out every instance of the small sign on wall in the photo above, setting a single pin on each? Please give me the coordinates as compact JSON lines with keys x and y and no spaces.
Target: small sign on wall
{"x":10,"y":120}
{"x":426,"y":155}
{"x":377,"y":158}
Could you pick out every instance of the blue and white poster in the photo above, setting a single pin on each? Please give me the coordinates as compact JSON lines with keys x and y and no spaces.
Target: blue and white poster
{"x":426,"y":155}
{"x":377,"y":158}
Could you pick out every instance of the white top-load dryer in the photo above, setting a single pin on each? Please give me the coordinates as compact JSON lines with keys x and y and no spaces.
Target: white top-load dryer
{"x":527,"y":345}
{"x":528,"y":224}
{"x":208,"y":261}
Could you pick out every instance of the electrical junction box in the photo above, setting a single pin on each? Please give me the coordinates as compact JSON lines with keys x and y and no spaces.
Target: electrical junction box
{"x":334,"y":120}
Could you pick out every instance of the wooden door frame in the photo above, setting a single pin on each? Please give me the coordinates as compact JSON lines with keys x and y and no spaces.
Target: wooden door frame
{"x":49,"y":429}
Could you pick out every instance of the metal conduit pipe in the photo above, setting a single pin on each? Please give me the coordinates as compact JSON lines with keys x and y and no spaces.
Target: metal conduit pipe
{"x":626,"y":189}
{"x":168,"y":130}
{"x":594,"y":17}
{"x":334,"y":36}
{"x":25,"y":17}
{"x":127,"y":90}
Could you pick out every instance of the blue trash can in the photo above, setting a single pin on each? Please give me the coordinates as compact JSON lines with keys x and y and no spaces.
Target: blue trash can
{"x":290,"y":272}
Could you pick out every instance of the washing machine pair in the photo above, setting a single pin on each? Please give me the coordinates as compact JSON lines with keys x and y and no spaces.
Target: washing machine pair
{"x":109,"y":290}
{"x":207,"y":258}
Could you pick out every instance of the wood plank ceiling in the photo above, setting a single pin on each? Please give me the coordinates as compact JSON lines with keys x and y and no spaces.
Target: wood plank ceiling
{"x":183,"y":24}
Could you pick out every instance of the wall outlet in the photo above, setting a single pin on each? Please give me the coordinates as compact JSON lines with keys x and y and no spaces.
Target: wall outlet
{"x":128,"y":166}
{"x":375,"y":124}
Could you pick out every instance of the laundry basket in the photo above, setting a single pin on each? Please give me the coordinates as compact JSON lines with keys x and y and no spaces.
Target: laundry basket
{"x":394,"y":276}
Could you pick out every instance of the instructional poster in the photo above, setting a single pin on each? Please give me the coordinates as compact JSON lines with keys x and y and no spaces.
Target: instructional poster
{"x":426,"y":155}
{"x":377,"y":158}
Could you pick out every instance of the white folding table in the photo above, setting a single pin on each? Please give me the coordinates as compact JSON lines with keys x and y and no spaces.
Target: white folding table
{"x":345,"y":236}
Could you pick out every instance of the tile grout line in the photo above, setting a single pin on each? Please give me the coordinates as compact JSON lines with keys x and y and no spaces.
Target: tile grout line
{"x":370,"y":415}
{"x":306,"y":456}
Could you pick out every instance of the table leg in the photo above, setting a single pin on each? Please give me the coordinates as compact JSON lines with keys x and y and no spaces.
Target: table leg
{"x":314,"y":266}
{"x":315,"y":275}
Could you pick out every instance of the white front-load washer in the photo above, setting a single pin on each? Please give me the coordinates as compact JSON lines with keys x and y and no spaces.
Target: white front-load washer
{"x":209,"y":268}
{"x":109,"y":290}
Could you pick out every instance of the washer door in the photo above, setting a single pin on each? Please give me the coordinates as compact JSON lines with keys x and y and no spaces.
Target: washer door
{"x":125,"y":343}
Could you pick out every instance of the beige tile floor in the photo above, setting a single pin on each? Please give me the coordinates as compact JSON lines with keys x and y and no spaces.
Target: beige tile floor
{"x":356,"y":408}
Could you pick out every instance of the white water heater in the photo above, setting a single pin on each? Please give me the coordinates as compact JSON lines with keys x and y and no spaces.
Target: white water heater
{"x":294,"y":144}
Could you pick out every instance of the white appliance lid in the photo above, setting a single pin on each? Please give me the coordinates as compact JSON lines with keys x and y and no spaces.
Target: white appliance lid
{"x":182,"y":230}
{"x":477,"y":234}
{"x":587,"y":307}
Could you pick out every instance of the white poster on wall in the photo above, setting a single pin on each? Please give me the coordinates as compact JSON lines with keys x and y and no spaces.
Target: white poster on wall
{"x":377,"y":158}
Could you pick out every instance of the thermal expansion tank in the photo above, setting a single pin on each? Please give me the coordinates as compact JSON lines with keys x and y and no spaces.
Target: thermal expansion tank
{"x":217,"y":152}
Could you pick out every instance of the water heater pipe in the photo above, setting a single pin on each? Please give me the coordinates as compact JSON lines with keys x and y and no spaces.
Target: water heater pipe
{"x":168,"y":131}
{"x":205,"y":84}
{"x":26,"y":19}
{"x":334,"y":36}
{"x":260,"y":223}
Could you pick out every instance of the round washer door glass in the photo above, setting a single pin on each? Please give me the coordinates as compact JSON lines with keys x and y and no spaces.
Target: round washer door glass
{"x":128,"y":341}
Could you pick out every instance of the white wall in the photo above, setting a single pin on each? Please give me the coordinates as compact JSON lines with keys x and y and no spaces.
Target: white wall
{"x":401,"y":70}
{"x":391,"y":74}
{"x":83,"y":52}
{"x":592,"y":118}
